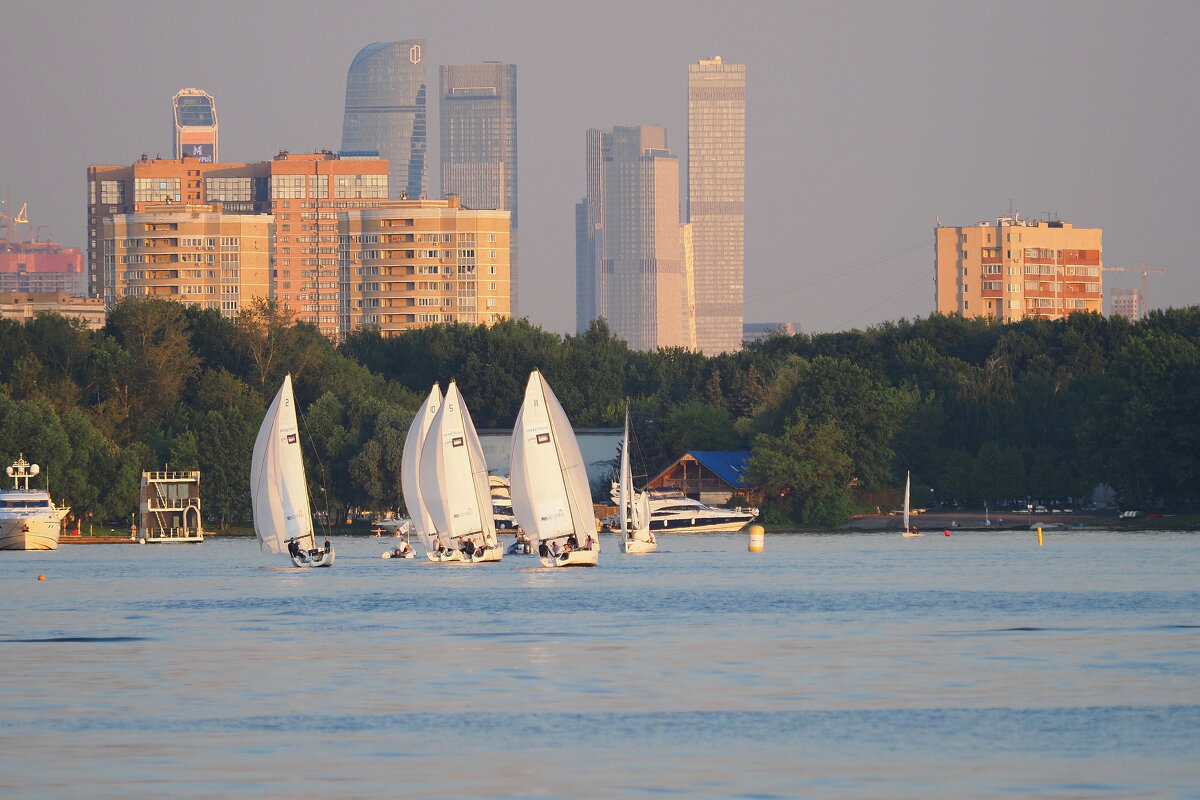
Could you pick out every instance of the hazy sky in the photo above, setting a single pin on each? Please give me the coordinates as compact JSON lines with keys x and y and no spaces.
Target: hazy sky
{"x":866,"y":122}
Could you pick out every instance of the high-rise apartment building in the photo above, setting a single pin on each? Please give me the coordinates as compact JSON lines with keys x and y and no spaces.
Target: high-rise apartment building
{"x":302,"y":192}
{"x":385,"y":111}
{"x":1126,"y":303}
{"x":478,"y":140}
{"x":716,"y":200}
{"x":415,"y":263}
{"x":194,"y":254}
{"x":1018,"y":268}
{"x":195,"y":130}
{"x":630,"y":266}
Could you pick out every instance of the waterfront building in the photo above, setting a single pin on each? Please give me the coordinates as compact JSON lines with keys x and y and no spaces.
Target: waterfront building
{"x":1018,"y":268}
{"x":41,"y":267}
{"x":716,"y":200}
{"x":24,"y":306}
{"x":195,"y":254}
{"x":302,"y":192}
{"x":385,"y":111}
{"x":415,"y":263}
{"x":478,"y":141}
{"x":195,"y":129}
{"x":630,"y":266}
{"x":170,"y":507}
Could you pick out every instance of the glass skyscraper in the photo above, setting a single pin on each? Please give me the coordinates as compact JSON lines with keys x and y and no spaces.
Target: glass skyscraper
{"x":478,"y":145}
{"x":385,"y":111}
{"x":629,"y":258}
{"x":717,"y":199}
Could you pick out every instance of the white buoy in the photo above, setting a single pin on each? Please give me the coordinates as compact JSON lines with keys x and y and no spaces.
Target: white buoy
{"x":756,"y":538}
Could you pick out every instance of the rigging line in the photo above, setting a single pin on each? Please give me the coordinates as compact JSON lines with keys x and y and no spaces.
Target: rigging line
{"x":833,"y":273}
{"x":894,"y":294}
{"x":866,"y":261}
{"x":320,"y":471}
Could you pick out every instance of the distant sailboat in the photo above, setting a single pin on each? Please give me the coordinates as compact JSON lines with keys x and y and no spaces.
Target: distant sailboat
{"x":633,"y":509}
{"x":455,"y":487}
{"x":410,"y":468}
{"x":909,"y":531}
{"x":551,"y":497}
{"x":279,"y":490}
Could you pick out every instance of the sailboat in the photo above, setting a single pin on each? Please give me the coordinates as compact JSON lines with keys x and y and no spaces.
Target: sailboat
{"x":633,"y":509}
{"x":909,"y":531}
{"x":551,"y":497}
{"x":278,"y":489}
{"x":455,"y":487}
{"x":410,"y":470}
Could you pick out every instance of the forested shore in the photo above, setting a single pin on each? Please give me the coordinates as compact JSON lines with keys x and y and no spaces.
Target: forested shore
{"x":978,"y":411}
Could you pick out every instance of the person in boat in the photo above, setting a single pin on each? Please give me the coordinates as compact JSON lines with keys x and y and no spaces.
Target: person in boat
{"x":587,"y":543}
{"x":543,"y":550}
{"x":914,"y":530}
{"x":572,"y":542}
{"x":328,"y":546}
{"x":294,"y":548}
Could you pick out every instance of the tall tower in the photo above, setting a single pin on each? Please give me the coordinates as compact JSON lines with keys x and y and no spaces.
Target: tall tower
{"x":195,"y":131}
{"x":717,"y":200}
{"x":630,"y":258}
{"x":385,"y":111}
{"x":478,"y":115}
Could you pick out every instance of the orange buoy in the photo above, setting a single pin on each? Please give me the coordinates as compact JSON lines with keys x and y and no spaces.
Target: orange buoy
{"x":41,"y":577}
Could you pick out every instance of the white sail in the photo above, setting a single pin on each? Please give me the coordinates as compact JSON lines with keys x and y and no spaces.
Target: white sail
{"x":410,"y":466}
{"x":550,"y":492}
{"x":907,"y":482}
{"x":278,"y":490}
{"x":625,"y":484}
{"x":453,"y":474}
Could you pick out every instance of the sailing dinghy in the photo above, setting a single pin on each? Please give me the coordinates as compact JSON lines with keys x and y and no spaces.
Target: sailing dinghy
{"x":455,"y":487}
{"x":632,"y":508}
{"x":410,"y":469}
{"x":278,"y":489}
{"x":909,"y":531}
{"x":551,"y":497}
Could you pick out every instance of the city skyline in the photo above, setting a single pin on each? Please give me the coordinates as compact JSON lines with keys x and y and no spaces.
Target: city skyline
{"x":867,"y":125}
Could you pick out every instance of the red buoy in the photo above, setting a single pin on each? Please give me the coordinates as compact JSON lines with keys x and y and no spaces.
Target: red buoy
{"x":947,"y":532}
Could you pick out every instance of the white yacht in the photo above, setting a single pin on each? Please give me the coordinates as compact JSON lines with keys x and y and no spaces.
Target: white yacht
{"x":29,"y":520}
{"x":674,"y":512}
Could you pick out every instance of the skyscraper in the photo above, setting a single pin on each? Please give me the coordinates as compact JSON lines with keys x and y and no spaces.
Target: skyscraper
{"x":478,"y":115}
{"x":717,"y":200}
{"x":195,"y":130}
{"x":630,"y":266}
{"x":385,"y":111}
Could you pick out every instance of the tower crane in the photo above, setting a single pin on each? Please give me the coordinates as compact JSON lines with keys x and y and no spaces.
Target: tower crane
{"x":1144,"y":293}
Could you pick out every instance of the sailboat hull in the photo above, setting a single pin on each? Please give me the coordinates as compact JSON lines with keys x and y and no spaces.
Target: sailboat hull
{"x":487,"y":556}
{"x":573,"y":558}
{"x":324,"y":558}
{"x":638,"y":546}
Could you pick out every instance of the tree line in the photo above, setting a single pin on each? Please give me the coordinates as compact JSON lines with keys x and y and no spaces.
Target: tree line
{"x":978,"y":411}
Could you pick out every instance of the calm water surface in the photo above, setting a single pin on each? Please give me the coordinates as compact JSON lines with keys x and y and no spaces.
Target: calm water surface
{"x":842,"y":665}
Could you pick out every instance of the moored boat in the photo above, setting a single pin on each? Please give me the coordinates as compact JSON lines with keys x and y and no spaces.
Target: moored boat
{"x":29,"y":520}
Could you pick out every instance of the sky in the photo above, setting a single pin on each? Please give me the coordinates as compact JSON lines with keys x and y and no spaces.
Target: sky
{"x":867,"y":123}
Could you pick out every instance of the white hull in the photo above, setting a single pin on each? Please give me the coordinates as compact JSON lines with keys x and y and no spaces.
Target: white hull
{"x":638,"y":546}
{"x":696,"y":525}
{"x":30,"y":532}
{"x":393,"y":554}
{"x":322,"y":559}
{"x":910,"y":535}
{"x":573,"y":558}
{"x":489,"y":555}
{"x":447,"y":557}
{"x":190,"y":539}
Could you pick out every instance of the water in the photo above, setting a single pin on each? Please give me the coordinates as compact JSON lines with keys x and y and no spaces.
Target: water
{"x":848,"y":665}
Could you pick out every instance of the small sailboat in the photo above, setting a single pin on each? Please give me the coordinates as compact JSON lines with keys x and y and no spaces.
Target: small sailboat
{"x":410,"y":469}
{"x":455,"y":487}
{"x":551,"y":497}
{"x":279,"y":490}
{"x":633,"y":509}
{"x":909,"y":531}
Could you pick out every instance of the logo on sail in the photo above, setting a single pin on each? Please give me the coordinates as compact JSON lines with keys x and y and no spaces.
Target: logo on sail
{"x":543,"y":438}
{"x":291,"y":438}
{"x":457,"y":441}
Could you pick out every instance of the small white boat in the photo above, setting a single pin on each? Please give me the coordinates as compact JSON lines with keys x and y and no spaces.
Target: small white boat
{"x":29,"y":520}
{"x":455,"y":487}
{"x":279,"y":490}
{"x":909,"y":532}
{"x":402,"y":550}
{"x":551,"y":497}
{"x":632,"y":509}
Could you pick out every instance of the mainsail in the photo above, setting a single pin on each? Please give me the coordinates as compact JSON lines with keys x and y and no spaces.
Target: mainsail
{"x":410,"y":466}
